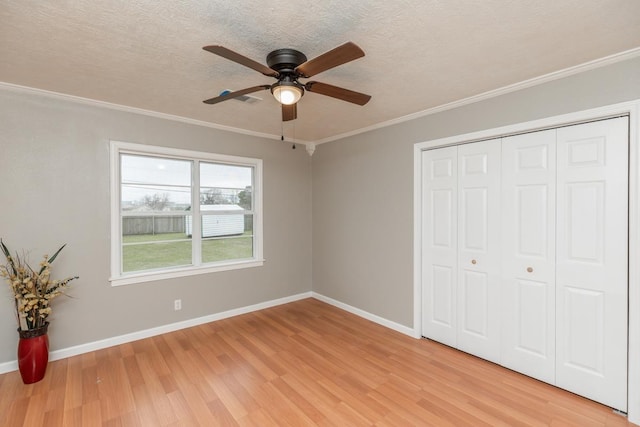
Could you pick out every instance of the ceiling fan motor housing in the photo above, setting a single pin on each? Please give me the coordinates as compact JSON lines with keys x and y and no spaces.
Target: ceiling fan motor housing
{"x":285,"y":60}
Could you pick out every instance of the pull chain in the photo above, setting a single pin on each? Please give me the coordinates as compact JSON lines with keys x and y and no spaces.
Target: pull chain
{"x":294,"y":136}
{"x":293,"y":147}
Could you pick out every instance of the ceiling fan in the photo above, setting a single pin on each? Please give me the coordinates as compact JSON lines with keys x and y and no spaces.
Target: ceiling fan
{"x":289,"y":65}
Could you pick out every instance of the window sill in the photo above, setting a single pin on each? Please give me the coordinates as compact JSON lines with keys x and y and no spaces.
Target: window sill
{"x":182,"y":272}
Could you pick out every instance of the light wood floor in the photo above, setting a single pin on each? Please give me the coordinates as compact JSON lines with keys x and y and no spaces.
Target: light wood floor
{"x":299,"y":364}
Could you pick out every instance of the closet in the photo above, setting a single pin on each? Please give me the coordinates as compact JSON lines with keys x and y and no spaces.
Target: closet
{"x":525,"y":254}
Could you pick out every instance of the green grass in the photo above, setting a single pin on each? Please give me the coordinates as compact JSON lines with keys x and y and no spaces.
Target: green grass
{"x":174,"y":249}
{"x":144,"y":238}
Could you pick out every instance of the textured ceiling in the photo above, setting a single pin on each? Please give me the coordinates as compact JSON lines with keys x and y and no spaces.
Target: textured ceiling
{"x":419,"y":53}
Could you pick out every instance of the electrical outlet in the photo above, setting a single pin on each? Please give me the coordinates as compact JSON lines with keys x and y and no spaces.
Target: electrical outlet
{"x":177,"y":305}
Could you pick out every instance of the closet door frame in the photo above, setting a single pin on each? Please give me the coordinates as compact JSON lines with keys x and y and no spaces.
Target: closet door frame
{"x":632,"y":109}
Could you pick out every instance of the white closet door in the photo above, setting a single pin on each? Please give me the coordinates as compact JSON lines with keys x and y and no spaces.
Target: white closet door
{"x":479,"y":249}
{"x":439,"y":244}
{"x":528,"y":254}
{"x":592,"y":260}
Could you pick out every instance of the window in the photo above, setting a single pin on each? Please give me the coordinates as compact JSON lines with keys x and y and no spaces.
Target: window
{"x":178,"y":212}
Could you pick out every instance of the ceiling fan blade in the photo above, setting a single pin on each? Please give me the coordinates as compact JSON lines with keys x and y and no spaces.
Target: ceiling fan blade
{"x":337,"y":92}
{"x":236,"y":94}
{"x":338,"y":56}
{"x":289,"y":112}
{"x":242,"y":60}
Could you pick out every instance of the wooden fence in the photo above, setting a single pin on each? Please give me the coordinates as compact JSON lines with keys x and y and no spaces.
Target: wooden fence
{"x":152,"y":225}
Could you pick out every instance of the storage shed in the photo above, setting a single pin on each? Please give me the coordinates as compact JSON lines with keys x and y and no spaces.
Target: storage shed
{"x":221,"y":224}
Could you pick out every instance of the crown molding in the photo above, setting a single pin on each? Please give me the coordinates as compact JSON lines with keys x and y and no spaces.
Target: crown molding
{"x":597,"y":63}
{"x":95,"y":103}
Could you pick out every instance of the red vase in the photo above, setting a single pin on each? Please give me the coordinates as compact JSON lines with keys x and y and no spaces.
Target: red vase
{"x":33,"y":354}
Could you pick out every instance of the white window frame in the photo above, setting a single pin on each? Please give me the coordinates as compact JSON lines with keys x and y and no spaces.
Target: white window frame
{"x":118,"y":277}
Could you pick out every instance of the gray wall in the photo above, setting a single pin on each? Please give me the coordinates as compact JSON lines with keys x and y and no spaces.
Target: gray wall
{"x":54,"y":189}
{"x":363,"y":186}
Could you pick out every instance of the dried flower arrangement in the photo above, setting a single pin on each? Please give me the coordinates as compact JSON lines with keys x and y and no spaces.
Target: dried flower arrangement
{"x":33,"y":290}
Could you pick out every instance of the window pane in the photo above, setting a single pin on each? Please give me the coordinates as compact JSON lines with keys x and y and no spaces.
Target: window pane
{"x":225,"y":197}
{"x":226,"y":185}
{"x":154,"y":184}
{"x":155,"y":203}
{"x":227,"y":237}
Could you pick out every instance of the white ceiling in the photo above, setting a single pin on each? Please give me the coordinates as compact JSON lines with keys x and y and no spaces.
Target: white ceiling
{"x":420,"y":54}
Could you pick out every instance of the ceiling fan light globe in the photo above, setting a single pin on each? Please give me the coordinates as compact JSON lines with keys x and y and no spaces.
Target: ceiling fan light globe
{"x":287,"y":95}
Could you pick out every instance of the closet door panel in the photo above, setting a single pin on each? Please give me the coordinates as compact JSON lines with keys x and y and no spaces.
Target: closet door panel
{"x":528,"y":254}
{"x":475,"y":303}
{"x":439,"y":244}
{"x":592,"y":260}
{"x":479,"y":249}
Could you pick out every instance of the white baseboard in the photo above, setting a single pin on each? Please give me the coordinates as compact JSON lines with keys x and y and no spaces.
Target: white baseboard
{"x":134,"y":336}
{"x":366,"y":315}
